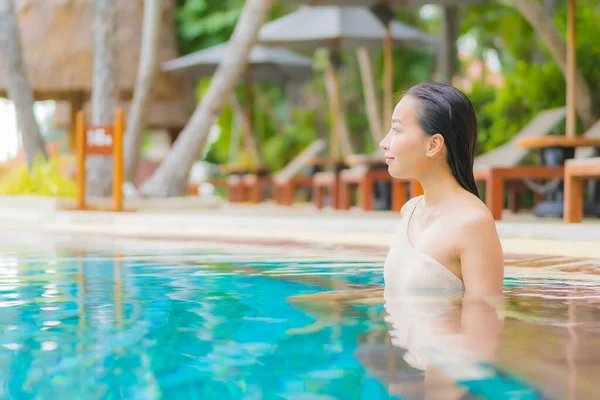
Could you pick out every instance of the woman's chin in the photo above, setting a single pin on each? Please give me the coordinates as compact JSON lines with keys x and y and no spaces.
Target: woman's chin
{"x":394,"y":173}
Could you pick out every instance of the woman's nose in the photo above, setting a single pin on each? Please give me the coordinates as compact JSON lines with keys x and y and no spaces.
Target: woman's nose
{"x":383,"y":145}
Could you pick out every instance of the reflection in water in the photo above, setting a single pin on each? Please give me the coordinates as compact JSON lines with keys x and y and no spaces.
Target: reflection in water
{"x":216,"y":323}
{"x":450,"y":339}
{"x":433,"y":345}
{"x":540,"y":341}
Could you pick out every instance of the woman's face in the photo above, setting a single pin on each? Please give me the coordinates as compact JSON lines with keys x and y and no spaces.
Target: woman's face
{"x":406,"y":143}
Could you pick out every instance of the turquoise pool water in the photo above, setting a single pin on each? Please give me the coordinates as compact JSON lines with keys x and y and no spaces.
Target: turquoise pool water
{"x":217,"y":323}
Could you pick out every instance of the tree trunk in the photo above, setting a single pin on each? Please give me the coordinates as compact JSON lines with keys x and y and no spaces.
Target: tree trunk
{"x":549,"y":34}
{"x":267,"y":107}
{"x":388,"y":77}
{"x":539,"y":56}
{"x":235,"y":139}
{"x":340,"y":131}
{"x":447,"y":51}
{"x":147,"y":72}
{"x":370,"y":94}
{"x":171,"y":176}
{"x":247,"y":131}
{"x":105,"y":91}
{"x":17,"y":82}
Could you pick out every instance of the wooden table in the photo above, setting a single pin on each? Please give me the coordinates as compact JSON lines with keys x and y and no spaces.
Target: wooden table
{"x":386,"y":193}
{"x":554,"y":151}
{"x":561,"y":142}
{"x":371,"y":160}
{"x":321,"y":162}
{"x":241,"y":169}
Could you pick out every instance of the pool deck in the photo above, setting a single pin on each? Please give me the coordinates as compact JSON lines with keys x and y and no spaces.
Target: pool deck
{"x":189,"y":219}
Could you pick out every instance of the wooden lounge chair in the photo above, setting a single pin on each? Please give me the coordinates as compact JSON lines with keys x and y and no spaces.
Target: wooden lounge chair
{"x":500,"y":165}
{"x":576,"y":171}
{"x":285,"y":182}
{"x":492,"y":168}
{"x":237,"y":192}
{"x":367,"y":170}
{"x":330,"y":181}
{"x":500,"y":175}
{"x":327,"y":181}
{"x":192,"y":187}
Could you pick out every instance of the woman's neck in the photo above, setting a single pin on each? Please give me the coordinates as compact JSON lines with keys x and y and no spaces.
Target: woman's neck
{"x":437,"y":187}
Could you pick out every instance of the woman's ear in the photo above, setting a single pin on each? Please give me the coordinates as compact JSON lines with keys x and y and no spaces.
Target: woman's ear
{"x":436,"y":145}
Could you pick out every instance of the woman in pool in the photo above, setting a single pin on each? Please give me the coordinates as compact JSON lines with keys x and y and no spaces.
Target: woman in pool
{"x":446,"y":238}
{"x":445,"y":267}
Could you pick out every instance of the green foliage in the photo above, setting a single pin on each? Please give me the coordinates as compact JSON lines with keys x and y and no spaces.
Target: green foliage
{"x":44,"y":179}
{"x":533,"y":82}
{"x":501,"y":28}
{"x":282,"y":130}
{"x":502,"y":112}
{"x":530,"y":86}
{"x":588,"y":46}
{"x":412,"y":65}
{"x":296,"y":135}
{"x":277,"y":147}
{"x":205,"y":23}
{"x":481,"y":96}
{"x":218,"y":152}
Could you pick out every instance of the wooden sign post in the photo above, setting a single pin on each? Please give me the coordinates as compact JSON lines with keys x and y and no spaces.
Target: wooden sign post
{"x":100,"y":140}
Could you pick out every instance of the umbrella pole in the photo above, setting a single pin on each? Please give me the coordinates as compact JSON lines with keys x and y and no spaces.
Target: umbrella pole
{"x":388,"y":79}
{"x":366,"y":73}
{"x":234,"y":139}
{"x":334,"y":102}
{"x":571,"y":67}
{"x":76,"y":103}
{"x":249,"y":107}
{"x":342,"y":137}
{"x":248,"y":100}
{"x":249,"y":142}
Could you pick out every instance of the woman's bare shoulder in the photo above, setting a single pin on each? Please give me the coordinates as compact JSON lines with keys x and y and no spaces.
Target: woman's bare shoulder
{"x":470,"y":212}
{"x":475,"y":211}
{"x":480,"y":251}
{"x":468,"y":217}
{"x":409,"y":205}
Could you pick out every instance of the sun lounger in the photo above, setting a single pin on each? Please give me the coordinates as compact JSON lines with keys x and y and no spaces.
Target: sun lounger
{"x":576,"y":171}
{"x":496,"y":167}
{"x":285,"y":182}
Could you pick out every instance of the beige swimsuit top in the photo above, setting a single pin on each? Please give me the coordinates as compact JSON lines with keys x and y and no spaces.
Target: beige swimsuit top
{"x":419,"y":296}
{"x":407,"y":268}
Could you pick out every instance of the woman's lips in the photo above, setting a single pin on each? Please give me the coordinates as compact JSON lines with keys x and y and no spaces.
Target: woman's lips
{"x":389,"y":160}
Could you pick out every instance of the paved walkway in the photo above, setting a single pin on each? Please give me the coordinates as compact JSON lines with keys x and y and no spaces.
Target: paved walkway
{"x":185,"y":219}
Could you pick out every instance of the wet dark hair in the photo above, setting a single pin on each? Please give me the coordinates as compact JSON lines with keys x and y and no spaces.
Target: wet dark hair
{"x":446,"y":110}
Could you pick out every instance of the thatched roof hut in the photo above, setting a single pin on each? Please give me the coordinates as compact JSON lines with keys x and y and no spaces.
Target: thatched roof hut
{"x":168,"y":115}
{"x":58,"y":45}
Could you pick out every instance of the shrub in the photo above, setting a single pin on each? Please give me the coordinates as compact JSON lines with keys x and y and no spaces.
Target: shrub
{"x":45,"y":178}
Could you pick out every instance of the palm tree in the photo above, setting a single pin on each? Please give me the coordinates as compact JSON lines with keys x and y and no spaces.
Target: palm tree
{"x":17,"y":82}
{"x":146,"y":79}
{"x":171,"y":176}
{"x":105,"y":91}
{"x":547,"y":31}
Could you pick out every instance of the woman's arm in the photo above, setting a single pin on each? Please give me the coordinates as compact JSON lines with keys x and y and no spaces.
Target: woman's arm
{"x":481,"y":256}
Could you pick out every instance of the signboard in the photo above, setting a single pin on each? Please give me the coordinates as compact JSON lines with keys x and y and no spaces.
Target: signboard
{"x":99,"y":140}
{"x":103,"y":140}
